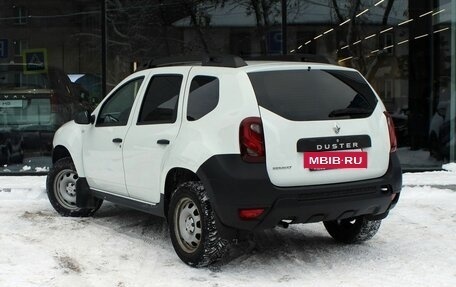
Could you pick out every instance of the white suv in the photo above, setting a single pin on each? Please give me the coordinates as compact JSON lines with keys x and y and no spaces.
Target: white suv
{"x":222,"y":146}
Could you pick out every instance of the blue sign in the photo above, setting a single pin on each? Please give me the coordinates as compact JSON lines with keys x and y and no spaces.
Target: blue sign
{"x":35,"y":60}
{"x":3,"y":48}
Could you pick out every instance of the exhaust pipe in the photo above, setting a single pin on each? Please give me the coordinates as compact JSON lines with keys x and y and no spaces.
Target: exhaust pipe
{"x":285,"y":223}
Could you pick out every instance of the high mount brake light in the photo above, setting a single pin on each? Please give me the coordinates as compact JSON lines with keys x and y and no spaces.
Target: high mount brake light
{"x":251,"y":140}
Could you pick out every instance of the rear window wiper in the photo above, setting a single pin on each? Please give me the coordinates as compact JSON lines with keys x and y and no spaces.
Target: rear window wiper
{"x":349,"y":112}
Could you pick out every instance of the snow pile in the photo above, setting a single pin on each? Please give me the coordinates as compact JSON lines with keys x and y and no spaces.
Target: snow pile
{"x":438,"y":178}
{"x":23,"y":182}
{"x":122,"y":247}
{"x":26,"y":168}
{"x":450,"y":166}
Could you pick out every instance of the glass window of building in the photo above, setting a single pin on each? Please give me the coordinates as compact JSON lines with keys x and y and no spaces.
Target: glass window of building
{"x":72,"y":53}
{"x":50,"y":69}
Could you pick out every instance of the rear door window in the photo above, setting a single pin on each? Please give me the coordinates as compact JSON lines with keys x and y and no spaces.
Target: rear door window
{"x":312,"y":95}
{"x":160,"y":102}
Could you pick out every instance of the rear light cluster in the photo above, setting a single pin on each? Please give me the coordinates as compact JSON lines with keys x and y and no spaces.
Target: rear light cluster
{"x":251,"y":140}
{"x":392,"y":133}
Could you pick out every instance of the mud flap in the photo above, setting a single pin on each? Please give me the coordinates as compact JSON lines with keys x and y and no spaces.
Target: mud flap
{"x":84,"y":198}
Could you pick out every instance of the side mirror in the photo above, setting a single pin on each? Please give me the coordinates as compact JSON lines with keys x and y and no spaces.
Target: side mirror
{"x":84,"y":118}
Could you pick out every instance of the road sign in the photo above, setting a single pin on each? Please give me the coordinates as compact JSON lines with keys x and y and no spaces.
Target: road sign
{"x":3,"y":48}
{"x":35,"y":60}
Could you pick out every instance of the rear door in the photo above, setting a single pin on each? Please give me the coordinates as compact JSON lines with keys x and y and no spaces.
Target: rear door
{"x":152,"y":133}
{"x":311,"y":109}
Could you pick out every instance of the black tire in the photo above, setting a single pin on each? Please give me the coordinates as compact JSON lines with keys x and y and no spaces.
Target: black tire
{"x":352,"y":230}
{"x":61,"y":190}
{"x":200,"y":244}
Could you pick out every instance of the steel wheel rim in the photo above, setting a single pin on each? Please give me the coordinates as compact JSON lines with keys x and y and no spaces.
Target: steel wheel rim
{"x":65,"y":188}
{"x":187,"y":225}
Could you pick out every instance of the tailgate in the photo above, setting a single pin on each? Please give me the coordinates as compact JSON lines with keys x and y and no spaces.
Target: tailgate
{"x":285,"y":164}
{"x":319,"y":111}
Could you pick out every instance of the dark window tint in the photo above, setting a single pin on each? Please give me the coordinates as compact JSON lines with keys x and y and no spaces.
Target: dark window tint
{"x":116,"y":109}
{"x":203,"y":97}
{"x":302,"y":95}
{"x":160,"y":103}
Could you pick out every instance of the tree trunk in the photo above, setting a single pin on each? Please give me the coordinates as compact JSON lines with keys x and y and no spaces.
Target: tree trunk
{"x":255,"y":5}
{"x":191,"y":11}
{"x":389,"y":6}
{"x":336,"y":9}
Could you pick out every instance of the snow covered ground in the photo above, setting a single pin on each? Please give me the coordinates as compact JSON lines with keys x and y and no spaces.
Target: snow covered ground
{"x":416,"y":246}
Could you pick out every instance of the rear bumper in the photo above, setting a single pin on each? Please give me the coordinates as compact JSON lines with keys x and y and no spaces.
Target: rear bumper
{"x":233,"y":184}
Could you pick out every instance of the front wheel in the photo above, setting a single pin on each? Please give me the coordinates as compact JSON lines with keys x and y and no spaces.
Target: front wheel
{"x":352,"y":230}
{"x":61,"y":190}
{"x":193,"y":230}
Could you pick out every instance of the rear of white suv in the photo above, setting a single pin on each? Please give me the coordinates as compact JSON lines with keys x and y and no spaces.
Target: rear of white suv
{"x":307,"y":109}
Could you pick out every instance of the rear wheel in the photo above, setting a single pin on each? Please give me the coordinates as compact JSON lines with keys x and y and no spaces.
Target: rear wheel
{"x":352,"y":230}
{"x":193,"y":230}
{"x":61,"y":190}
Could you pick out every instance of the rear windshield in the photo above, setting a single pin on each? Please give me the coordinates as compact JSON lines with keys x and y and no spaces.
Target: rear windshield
{"x":303,"y":95}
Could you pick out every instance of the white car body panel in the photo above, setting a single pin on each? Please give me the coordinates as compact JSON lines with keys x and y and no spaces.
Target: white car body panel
{"x":70,"y":136}
{"x":103,"y":162}
{"x":281,"y":136}
{"x":218,"y":131}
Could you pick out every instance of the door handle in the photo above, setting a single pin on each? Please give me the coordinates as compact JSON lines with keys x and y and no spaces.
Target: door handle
{"x":117,"y":140}
{"x":163,"y":142}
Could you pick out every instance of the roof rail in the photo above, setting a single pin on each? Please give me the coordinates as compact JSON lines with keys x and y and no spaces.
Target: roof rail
{"x":173,"y":61}
{"x":204,"y":60}
{"x":223,"y":61}
{"x":291,"y":58}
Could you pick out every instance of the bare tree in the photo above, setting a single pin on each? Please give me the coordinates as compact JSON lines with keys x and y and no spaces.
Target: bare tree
{"x":264,"y":11}
{"x":139,"y":30}
{"x":354,"y":32}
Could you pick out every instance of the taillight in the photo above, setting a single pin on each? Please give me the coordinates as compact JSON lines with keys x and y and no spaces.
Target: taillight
{"x":251,"y":140}
{"x":392,"y":132}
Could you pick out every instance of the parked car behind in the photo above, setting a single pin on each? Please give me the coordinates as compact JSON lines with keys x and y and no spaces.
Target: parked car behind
{"x":32,"y":106}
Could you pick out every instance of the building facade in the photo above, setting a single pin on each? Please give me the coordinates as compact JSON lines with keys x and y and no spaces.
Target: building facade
{"x":57,"y":58}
